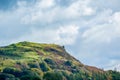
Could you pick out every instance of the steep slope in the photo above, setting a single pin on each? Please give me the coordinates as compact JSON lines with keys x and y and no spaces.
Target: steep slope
{"x":33,"y":61}
{"x":29,"y":51}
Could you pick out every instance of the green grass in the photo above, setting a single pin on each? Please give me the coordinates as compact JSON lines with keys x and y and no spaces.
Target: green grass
{"x":26,"y":52}
{"x":29,"y":56}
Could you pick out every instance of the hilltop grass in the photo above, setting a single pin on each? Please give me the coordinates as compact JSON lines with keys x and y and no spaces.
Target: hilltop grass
{"x":35,"y":61}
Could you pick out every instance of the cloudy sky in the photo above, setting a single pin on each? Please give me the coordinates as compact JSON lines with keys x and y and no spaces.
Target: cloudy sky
{"x":89,"y":29}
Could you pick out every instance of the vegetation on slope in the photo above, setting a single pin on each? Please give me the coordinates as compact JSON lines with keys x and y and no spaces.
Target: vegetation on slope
{"x":33,"y":61}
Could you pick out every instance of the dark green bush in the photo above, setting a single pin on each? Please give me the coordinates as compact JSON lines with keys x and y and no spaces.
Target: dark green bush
{"x":44,"y":67}
{"x":30,"y":75}
{"x":49,"y":61}
{"x":5,"y":76}
{"x":68,"y":63}
{"x":115,"y":75}
{"x":33,"y":65}
{"x":13,"y":71}
{"x":53,"y":76}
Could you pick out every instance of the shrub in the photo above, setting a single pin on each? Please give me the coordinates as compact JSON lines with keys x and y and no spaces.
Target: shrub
{"x":68,"y":63}
{"x":44,"y":67}
{"x":38,"y":71}
{"x":34,"y":65}
{"x":5,"y":76}
{"x":49,"y":61}
{"x":53,"y":76}
{"x":30,"y":75}
{"x":115,"y":75}
{"x":14,"y":71}
{"x":27,"y":77}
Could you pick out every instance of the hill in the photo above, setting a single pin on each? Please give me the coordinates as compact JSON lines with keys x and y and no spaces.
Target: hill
{"x":35,"y":61}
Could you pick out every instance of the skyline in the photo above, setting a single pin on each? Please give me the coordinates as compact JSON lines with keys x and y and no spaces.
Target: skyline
{"x":89,"y":29}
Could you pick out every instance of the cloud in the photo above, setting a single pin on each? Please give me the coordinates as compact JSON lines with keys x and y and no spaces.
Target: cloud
{"x":45,"y":4}
{"x":100,"y":41}
{"x":114,"y":64}
{"x":106,"y":4}
{"x":51,"y":12}
{"x":68,"y":35}
{"x":65,"y":35}
{"x":104,"y":32}
{"x":43,"y":14}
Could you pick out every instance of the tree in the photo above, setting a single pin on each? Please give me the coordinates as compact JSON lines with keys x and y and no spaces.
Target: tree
{"x":14,"y":71}
{"x":5,"y":76}
{"x":68,"y":63}
{"x":115,"y":75}
{"x":44,"y":67}
{"x":53,"y":76}
{"x":30,"y":75}
{"x":49,"y":61}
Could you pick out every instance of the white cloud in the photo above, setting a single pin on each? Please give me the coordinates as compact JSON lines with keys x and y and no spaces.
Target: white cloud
{"x":47,"y":11}
{"x":115,"y":18}
{"x":68,"y":35}
{"x":99,"y":40}
{"x":65,"y":35}
{"x":104,"y":32}
{"x":79,"y":8}
{"x":45,"y":4}
{"x":113,"y":64}
{"x":26,"y":16}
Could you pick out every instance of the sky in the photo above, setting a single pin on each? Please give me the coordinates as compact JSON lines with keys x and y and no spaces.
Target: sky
{"x":89,"y":29}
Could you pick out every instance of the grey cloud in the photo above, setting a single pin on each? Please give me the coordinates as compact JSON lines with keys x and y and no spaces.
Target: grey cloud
{"x":106,"y":4}
{"x":64,"y":3}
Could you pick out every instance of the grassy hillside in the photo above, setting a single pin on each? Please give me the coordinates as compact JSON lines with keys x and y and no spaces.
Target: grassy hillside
{"x":34,"y":61}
